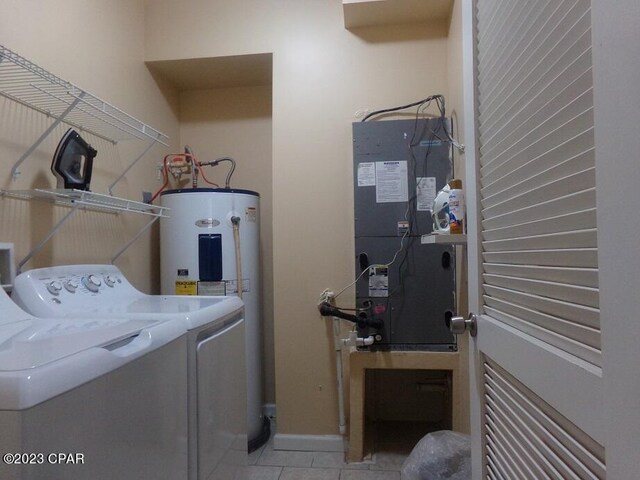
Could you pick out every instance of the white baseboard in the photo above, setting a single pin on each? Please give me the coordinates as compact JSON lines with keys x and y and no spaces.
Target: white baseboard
{"x":309,"y":443}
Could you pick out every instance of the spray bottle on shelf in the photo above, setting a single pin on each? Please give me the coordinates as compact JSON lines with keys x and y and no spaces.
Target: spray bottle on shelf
{"x":456,"y":207}
{"x":440,"y":211}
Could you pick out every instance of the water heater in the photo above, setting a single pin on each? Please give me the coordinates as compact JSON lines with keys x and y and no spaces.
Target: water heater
{"x":198,"y":250}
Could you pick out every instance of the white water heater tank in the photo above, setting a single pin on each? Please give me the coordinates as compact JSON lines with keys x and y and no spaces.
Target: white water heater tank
{"x":198,"y":257}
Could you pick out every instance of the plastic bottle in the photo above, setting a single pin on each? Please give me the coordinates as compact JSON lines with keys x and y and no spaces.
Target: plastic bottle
{"x":456,"y":207}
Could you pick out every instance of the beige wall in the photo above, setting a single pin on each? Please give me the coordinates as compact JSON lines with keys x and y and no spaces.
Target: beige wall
{"x":236,"y":122}
{"x":99,"y":46}
{"x":322,"y":75}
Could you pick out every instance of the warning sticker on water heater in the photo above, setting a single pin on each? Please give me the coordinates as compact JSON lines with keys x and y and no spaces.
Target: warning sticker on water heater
{"x":186,"y":287}
{"x":251,"y":214}
{"x":232,"y":286}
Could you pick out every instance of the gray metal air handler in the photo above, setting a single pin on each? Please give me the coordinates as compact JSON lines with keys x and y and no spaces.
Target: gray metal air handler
{"x":399,"y":165}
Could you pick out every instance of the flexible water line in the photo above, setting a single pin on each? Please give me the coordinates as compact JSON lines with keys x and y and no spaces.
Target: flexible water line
{"x":236,"y":240}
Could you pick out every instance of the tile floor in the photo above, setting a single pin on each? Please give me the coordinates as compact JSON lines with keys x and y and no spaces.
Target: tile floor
{"x":269,"y":464}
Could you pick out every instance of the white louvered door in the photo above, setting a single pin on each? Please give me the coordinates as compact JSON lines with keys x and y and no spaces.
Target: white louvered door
{"x":538,"y":389}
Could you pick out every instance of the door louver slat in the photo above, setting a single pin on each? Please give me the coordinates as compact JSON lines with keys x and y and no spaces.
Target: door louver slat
{"x":556,"y":445}
{"x":587,"y":277}
{"x":549,"y":65}
{"x":534,"y":190}
{"x":521,"y":44}
{"x":586,"y":335}
{"x":537,"y":227}
{"x":569,"y":311}
{"x":582,"y":220}
{"x":530,"y":118}
{"x":573,"y":155}
{"x":585,"y":257}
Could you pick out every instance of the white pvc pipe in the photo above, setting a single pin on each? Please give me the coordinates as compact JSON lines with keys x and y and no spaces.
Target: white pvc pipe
{"x":365,"y":341}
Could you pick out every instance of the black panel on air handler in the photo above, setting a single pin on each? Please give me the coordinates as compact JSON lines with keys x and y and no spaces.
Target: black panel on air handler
{"x":399,"y":165}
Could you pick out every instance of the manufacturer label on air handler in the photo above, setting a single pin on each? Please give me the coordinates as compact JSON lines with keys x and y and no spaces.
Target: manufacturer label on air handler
{"x":186,"y":287}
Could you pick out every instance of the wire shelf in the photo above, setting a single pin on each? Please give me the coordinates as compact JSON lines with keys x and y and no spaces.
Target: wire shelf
{"x":88,"y":200}
{"x":30,"y":85}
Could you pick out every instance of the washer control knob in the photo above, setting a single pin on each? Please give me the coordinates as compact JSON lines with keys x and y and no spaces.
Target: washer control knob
{"x":92,"y":283}
{"x":110,"y":280}
{"x":54,"y":287}
{"x":71,"y":286}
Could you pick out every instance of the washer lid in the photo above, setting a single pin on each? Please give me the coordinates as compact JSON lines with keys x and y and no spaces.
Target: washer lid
{"x":32,"y":343}
{"x":42,"y":358}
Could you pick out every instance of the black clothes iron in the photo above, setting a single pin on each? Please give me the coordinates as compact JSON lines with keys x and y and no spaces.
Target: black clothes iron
{"x":73,"y":161}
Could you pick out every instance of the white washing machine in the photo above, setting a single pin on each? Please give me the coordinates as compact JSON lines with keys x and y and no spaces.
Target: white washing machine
{"x":217,"y":412}
{"x":97,"y":398}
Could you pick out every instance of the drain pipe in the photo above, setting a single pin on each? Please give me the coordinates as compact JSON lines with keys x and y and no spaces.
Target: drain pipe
{"x":337,"y":342}
{"x":327,"y":309}
{"x":235,"y":221}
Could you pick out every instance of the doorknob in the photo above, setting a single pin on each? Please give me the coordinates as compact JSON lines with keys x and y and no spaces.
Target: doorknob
{"x":458,"y":325}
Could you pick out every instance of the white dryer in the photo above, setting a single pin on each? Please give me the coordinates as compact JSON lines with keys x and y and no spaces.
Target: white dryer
{"x":217,"y":413}
{"x":91,"y":398}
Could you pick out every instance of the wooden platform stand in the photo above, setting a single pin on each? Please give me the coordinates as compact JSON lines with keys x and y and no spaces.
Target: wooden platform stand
{"x":360,"y":361}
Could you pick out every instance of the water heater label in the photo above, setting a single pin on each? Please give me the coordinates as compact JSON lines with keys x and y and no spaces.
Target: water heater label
{"x":186,"y":287}
{"x":232,"y":286}
{"x":212,"y":288}
{"x":251,"y":214}
{"x":207,"y":223}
